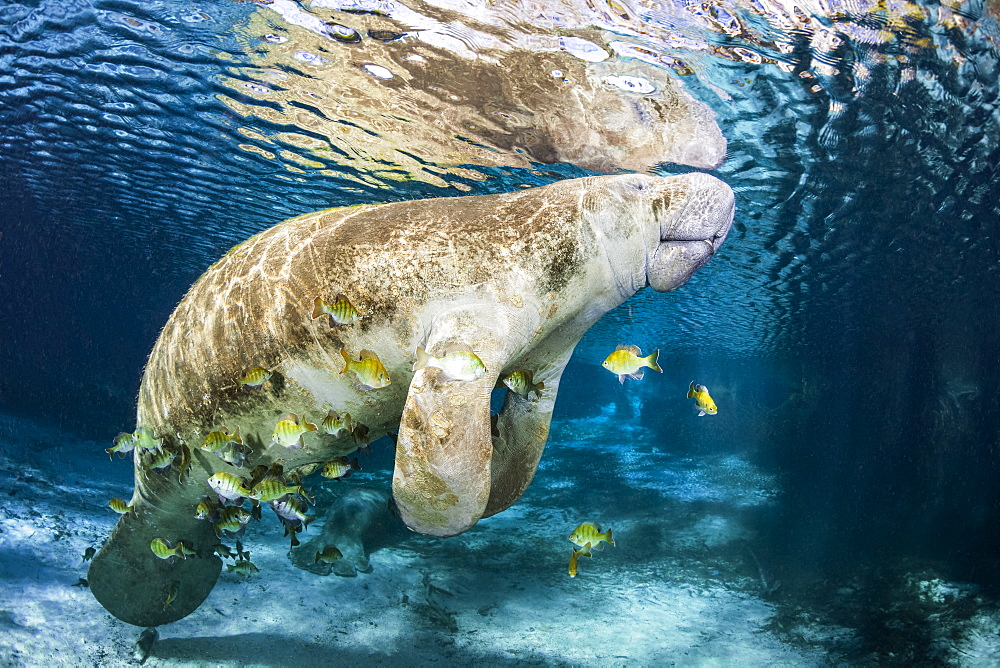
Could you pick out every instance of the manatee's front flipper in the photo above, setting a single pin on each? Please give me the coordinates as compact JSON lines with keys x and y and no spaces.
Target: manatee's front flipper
{"x":134,"y":584}
{"x":441,"y":480}
{"x":524,"y":428}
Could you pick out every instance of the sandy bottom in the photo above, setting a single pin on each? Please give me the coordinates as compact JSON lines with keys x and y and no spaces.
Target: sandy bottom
{"x":683,"y":586}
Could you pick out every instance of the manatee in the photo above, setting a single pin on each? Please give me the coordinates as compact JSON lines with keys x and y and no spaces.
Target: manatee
{"x":357,"y":522}
{"x":516,"y":278}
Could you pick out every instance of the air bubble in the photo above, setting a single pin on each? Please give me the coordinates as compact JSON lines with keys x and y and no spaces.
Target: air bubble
{"x":583,"y":49}
{"x":377,"y":71}
{"x":631,"y":84}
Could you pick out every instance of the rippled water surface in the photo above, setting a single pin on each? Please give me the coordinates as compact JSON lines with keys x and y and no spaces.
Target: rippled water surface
{"x":859,"y":134}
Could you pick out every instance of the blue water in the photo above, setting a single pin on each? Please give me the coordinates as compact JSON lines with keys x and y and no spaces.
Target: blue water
{"x":848,"y":327}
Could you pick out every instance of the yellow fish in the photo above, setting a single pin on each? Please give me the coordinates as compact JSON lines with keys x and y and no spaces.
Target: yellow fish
{"x":162,"y":549}
{"x":175,"y":587}
{"x":219,"y":438}
{"x":520,"y":382}
{"x":336,"y":425}
{"x":342,"y":312}
{"x":231,"y":518}
{"x":228,"y":486}
{"x":339,"y":468}
{"x":329,"y":555}
{"x":369,"y":369}
{"x":160,"y":459}
{"x":588,"y":535}
{"x":145,"y":440}
{"x":458,"y":365}
{"x":255,"y":377}
{"x":243,"y":567}
{"x":290,"y":508}
{"x":573,"y":559}
{"x":626,"y":362}
{"x":270,"y":489}
{"x":120,"y":506}
{"x":123,"y":443}
{"x":289,"y":431}
{"x":205,"y":509}
{"x":702,"y":399}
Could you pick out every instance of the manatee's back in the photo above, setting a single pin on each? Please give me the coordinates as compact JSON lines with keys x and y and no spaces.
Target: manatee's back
{"x":253,"y":307}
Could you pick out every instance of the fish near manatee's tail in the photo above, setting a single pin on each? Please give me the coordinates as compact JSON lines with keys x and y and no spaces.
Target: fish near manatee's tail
{"x":650,"y":361}
{"x":126,"y":576}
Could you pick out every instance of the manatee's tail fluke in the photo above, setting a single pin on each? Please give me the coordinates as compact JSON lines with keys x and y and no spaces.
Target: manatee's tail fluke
{"x":130,"y":581}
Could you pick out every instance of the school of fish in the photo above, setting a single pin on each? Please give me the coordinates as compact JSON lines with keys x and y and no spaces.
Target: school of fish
{"x":268,"y":485}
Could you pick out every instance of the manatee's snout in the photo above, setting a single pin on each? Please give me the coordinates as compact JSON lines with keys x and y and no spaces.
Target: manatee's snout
{"x":692,"y":227}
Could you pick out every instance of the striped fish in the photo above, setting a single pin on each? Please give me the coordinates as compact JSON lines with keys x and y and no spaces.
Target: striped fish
{"x":219,"y":438}
{"x":228,"y":486}
{"x":336,"y":425}
{"x":162,"y":549}
{"x":120,"y":506}
{"x":341,"y":312}
{"x":588,"y":535}
{"x":288,"y":432}
{"x":231,"y":518}
{"x":123,"y":443}
{"x":339,"y":468}
{"x":270,"y":489}
{"x":520,"y":382}
{"x":243,"y":567}
{"x":369,"y":369}
{"x":255,"y":377}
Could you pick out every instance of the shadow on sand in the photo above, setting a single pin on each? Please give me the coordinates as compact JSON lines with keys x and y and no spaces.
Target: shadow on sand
{"x":265,"y":649}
